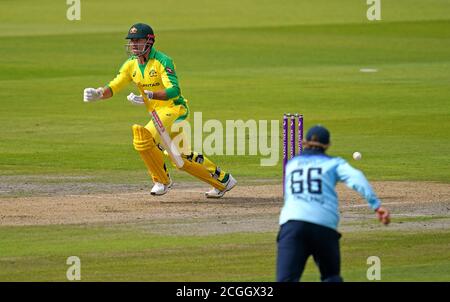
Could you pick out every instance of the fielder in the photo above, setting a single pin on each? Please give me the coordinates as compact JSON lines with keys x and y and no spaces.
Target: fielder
{"x":155,"y":71}
{"x":310,"y":215}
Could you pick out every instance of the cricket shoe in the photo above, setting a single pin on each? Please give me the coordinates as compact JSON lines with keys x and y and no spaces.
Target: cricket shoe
{"x":161,"y":189}
{"x":216,"y":193}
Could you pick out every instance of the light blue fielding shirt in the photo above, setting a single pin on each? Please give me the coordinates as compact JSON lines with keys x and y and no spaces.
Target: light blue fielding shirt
{"x":310,"y":194}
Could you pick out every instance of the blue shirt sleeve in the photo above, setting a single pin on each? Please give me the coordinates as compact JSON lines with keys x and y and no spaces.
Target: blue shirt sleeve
{"x":355,"y":179}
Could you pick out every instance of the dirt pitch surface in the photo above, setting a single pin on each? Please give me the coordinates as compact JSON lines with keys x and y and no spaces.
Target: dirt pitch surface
{"x":185,"y":211}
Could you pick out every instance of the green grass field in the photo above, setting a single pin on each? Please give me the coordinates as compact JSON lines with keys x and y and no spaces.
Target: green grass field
{"x":301,"y":60}
{"x":244,"y":59}
{"x":131,"y":254}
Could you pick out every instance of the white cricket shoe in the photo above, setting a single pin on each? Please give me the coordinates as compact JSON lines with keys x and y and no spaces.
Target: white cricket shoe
{"x":161,"y":189}
{"x":215,"y":193}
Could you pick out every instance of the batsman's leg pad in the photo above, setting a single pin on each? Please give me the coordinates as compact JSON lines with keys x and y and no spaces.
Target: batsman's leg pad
{"x":202,"y":168}
{"x":150,"y":153}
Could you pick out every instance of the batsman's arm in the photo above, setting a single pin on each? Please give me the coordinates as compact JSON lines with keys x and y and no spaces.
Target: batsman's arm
{"x":156,"y":95}
{"x":122,"y":79}
{"x":169,"y":79}
{"x":107,"y":93}
{"x":160,"y":95}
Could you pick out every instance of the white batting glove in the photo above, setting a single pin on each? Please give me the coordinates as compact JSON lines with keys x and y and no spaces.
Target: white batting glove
{"x":92,"y":94}
{"x":149,"y":94}
{"x":135,"y":99}
{"x":138,"y":99}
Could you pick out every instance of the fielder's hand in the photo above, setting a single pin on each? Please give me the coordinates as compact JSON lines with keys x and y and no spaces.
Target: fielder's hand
{"x":383,"y":215}
{"x":92,"y":94}
{"x":138,"y":99}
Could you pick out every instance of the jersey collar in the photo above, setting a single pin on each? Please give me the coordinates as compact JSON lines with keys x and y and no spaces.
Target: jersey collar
{"x":152,"y":53}
{"x":313,"y":151}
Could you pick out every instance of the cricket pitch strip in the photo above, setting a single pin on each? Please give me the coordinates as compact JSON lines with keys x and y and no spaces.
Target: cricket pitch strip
{"x":248,"y":208}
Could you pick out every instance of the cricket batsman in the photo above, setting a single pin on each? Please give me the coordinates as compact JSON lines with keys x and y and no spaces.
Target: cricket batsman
{"x":310,"y":215}
{"x":155,"y":72}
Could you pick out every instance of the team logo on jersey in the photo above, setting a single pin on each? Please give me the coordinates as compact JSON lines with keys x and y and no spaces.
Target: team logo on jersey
{"x":169,"y":70}
{"x":152,"y":73}
{"x":134,"y":73}
{"x":133,"y":30}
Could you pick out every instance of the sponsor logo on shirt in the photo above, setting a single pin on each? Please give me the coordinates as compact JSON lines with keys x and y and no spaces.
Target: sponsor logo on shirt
{"x":134,"y":73}
{"x":152,"y":73}
{"x":151,"y":85}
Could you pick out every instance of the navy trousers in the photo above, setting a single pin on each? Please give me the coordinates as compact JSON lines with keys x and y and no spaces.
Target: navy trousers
{"x":297,"y":240}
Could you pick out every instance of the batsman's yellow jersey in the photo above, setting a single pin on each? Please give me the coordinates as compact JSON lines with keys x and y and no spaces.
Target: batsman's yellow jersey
{"x":157,"y":73}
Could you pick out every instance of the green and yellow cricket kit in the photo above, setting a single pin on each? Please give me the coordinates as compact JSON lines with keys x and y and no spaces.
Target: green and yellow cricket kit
{"x":156,"y":74}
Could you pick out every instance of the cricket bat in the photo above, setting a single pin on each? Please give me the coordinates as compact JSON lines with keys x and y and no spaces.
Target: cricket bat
{"x":165,"y":138}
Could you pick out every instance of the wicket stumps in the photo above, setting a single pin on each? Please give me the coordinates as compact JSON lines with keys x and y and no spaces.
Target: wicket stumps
{"x":291,"y":139}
